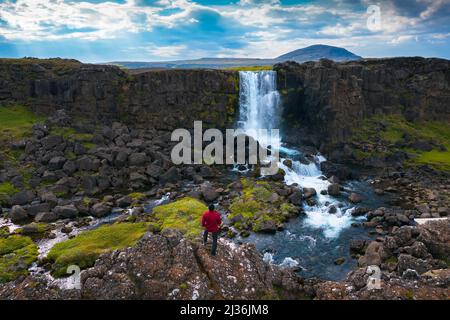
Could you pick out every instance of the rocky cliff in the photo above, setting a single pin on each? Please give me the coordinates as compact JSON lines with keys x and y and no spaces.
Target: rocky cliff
{"x":328,"y":100}
{"x":165,"y":99}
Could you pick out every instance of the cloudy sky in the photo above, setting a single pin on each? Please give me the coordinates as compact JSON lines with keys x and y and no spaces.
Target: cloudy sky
{"x":149,"y":30}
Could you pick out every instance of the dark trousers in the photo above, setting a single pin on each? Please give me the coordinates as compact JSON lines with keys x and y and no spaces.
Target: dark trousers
{"x":215,"y":236}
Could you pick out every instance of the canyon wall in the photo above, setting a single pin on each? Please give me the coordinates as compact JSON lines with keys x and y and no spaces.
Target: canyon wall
{"x":325,"y":101}
{"x":165,"y":99}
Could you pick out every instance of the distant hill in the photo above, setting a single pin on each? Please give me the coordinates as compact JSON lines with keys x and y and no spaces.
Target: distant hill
{"x":311,"y":53}
{"x":317,"y":52}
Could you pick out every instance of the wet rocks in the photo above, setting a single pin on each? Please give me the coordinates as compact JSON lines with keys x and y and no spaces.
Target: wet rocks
{"x":334,"y":189}
{"x":309,"y":192}
{"x":354,"y":197}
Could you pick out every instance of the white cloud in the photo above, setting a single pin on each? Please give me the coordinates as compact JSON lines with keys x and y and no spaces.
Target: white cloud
{"x":401,"y":39}
{"x":58,"y":19}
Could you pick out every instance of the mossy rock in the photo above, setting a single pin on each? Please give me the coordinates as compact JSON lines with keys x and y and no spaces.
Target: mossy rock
{"x":35,"y":230}
{"x":184,"y":215}
{"x":85,"y":248}
{"x":136,"y":196}
{"x":17,"y":253}
{"x":254,"y":209}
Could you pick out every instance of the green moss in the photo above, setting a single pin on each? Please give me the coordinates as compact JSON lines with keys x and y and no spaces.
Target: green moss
{"x":6,"y":190}
{"x":85,"y":248}
{"x":137,"y":196}
{"x":409,"y":295}
{"x":41,"y":228}
{"x":17,"y":253}
{"x":16,"y":122}
{"x":183,"y":215}
{"x":71,"y":134}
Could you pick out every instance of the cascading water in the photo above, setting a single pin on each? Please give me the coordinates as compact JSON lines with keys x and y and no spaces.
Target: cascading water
{"x":259,"y":103}
{"x":317,"y":239}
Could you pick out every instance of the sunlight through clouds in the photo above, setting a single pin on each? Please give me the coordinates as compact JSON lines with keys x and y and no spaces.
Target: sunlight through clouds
{"x":158,"y":29}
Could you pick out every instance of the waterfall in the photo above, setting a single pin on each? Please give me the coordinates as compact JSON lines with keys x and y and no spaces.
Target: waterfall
{"x":259,"y":103}
{"x":260,"y":109}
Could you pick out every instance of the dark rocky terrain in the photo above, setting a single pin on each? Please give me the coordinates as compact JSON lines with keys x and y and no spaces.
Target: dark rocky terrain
{"x":102,"y":143}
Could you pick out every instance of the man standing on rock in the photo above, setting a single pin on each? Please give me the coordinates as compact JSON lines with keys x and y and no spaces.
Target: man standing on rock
{"x":211,"y":221}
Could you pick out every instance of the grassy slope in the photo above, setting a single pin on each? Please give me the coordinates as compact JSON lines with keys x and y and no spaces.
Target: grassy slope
{"x":16,"y":122}
{"x":394,"y":127}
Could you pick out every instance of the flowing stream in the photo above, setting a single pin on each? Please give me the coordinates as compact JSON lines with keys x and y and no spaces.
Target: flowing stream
{"x":315,"y":240}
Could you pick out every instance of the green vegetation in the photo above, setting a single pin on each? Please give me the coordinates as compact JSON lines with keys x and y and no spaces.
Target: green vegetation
{"x":35,"y":230}
{"x":72,"y":135}
{"x":393,"y":129}
{"x":136,"y":196}
{"x":255,"y":207}
{"x":250,"y":68}
{"x":16,"y":122}
{"x":17,"y":253}
{"x":183,"y":215}
{"x":57,"y":65}
{"x":85,"y":248}
{"x":6,"y":190}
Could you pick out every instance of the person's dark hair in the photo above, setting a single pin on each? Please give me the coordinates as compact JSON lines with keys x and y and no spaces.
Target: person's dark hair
{"x":211,"y":207}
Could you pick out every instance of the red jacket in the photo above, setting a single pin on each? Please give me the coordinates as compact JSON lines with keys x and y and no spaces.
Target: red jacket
{"x":211,"y":221}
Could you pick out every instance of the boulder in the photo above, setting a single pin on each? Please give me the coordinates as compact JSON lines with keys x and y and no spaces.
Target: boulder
{"x":154,"y":171}
{"x":373,"y":255}
{"x":124,"y":202}
{"x":268,"y":226}
{"x":23,"y":197}
{"x":208,"y":192}
{"x":334,"y":189}
{"x":18,"y":214}
{"x":354,"y":197}
{"x":170,"y":176}
{"x":33,"y":209}
{"x":296,"y":198}
{"x":137,"y":159}
{"x":46,"y":217}
{"x":121,"y":158}
{"x":56,"y":163}
{"x":68,"y":211}
{"x":309,"y":192}
{"x":51,"y":142}
{"x":100,"y":210}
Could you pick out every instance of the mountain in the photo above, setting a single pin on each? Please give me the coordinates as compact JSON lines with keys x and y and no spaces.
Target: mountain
{"x":317,"y":52}
{"x":311,"y":53}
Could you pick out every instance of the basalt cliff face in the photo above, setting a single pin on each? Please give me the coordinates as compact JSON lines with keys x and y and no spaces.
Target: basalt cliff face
{"x":328,"y":100}
{"x":164,"y":99}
